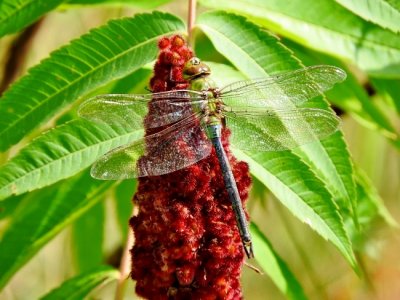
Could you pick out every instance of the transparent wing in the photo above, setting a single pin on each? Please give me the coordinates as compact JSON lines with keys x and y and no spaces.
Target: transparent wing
{"x":283,"y":90}
{"x":278,"y":130}
{"x":129,"y":109}
{"x":174,"y":148}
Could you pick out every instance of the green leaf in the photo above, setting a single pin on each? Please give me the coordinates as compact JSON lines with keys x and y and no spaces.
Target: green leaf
{"x":385,"y":13}
{"x":370,"y":199}
{"x":231,"y":36}
{"x":71,"y":147}
{"x":349,"y":95}
{"x":389,"y":89}
{"x":274,"y":266}
{"x":80,"y":286}
{"x":17,"y":14}
{"x":87,"y":234}
{"x":257,"y":54}
{"x":370,"y":207}
{"x":352,"y":98}
{"x":123,"y":201}
{"x":134,"y":83}
{"x":8,"y":206}
{"x":145,"y":4}
{"x":49,"y":211}
{"x":325,"y":26}
{"x":296,"y":187}
{"x":61,"y":153}
{"x":104,"y":54}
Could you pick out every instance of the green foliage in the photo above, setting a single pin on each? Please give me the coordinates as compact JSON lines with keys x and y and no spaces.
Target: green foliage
{"x":390,"y":90}
{"x":350,"y":96}
{"x":79,"y":287}
{"x":71,"y":71}
{"x":385,"y":13}
{"x":275,"y":267}
{"x":89,"y":227}
{"x":16,"y":14}
{"x":230,"y":35}
{"x":336,"y":171}
{"x":44,"y":184}
{"x":302,"y":193}
{"x":47,"y":212}
{"x":325,"y":25}
{"x":123,"y":203}
{"x":60,"y":153}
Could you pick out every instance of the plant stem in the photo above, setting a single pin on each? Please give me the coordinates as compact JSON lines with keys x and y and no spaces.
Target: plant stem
{"x":125,"y":265}
{"x":191,"y":19}
{"x":17,"y":53}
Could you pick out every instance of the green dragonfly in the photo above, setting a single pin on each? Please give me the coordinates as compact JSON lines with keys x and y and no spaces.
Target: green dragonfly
{"x":184,"y":125}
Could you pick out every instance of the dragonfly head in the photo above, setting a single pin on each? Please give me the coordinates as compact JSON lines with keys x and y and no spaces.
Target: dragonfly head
{"x":195,"y":68}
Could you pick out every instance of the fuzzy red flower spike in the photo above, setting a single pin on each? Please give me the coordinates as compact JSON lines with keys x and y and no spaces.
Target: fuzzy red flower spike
{"x":187,"y":244}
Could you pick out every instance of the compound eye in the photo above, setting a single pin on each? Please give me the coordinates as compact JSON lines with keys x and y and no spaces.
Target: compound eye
{"x":195,"y":61}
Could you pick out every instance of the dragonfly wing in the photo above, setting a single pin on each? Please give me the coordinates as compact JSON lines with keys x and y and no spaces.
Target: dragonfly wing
{"x":284,"y":90}
{"x":176,"y":147}
{"x":279,"y":130}
{"x":129,"y":109}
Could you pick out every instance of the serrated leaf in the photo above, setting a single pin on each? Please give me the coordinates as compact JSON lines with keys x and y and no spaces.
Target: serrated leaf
{"x":80,"y":286}
{"x":349,"y":95}
{"x":104,"y":54}
{"x":385,"y":13}
{"x":49,"y":211}
{"x":17,"y":14}
{"x":275,"y":267}
{"x":263,"y":56}
{"x":87,"y":238}
{"x":293,"y":183}
{"x":325,"y":26}
{"x":256,"y":53}
{"x":61,"y":153}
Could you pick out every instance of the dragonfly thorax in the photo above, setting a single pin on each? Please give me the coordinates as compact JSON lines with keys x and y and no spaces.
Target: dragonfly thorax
{"x":212,"y":105}
{"x":197,"y":73}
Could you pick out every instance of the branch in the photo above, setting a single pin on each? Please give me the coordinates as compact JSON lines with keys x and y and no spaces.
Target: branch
{"x":191,"y":19}
{"x":16,"y":55}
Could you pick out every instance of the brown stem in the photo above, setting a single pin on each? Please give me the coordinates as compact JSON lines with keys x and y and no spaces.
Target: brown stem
{"x":16,"y":55}
{"x":191,"y":19}
{"x":125,"y":265}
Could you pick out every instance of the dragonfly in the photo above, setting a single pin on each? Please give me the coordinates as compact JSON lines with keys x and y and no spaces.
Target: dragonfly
{"x":182,"y":126}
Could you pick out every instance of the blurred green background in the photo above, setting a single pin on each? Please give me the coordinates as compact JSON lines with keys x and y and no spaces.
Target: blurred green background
{"x":320,"y":268}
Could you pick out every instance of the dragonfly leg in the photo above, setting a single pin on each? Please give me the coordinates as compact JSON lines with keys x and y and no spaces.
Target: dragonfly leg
{"x":214,"y":132}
